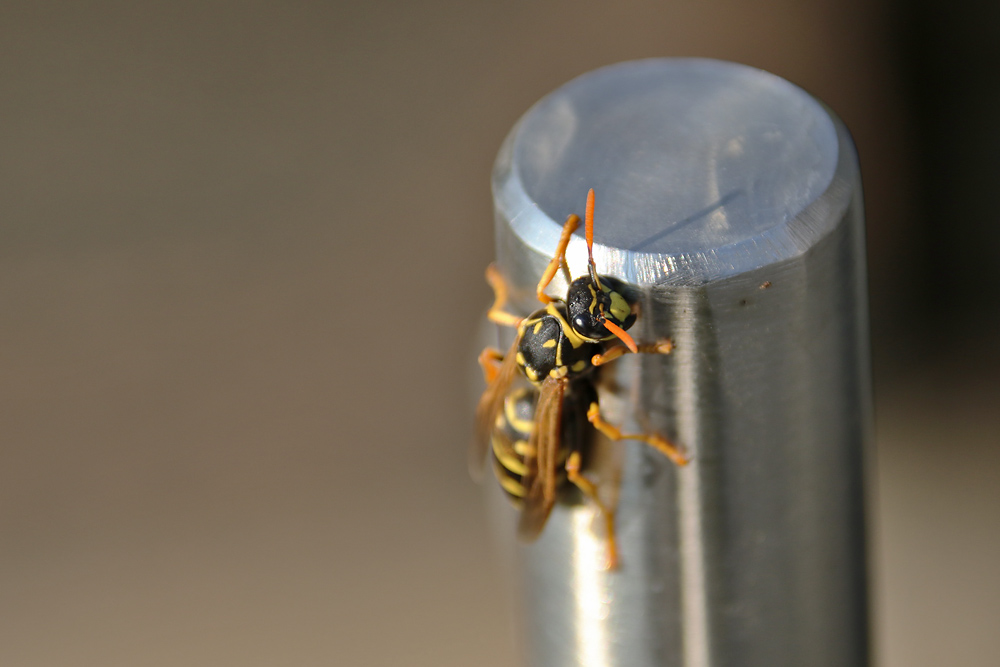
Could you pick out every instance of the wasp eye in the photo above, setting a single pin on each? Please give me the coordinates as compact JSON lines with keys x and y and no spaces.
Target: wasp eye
{"x":588,"y":326}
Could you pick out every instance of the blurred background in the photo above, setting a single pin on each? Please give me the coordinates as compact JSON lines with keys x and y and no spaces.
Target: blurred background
{"x":241,"y":254}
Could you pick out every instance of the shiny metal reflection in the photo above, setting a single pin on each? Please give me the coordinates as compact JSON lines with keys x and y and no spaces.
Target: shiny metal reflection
{"x":733,"y":200}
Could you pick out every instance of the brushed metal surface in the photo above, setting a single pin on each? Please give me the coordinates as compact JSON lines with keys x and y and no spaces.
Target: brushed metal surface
{"x":733,"y":200}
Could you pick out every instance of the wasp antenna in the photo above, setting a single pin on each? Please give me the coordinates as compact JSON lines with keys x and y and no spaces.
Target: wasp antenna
{"x":590,"y":224}
{"x":622,"y":335}
{"x":589,"y":227}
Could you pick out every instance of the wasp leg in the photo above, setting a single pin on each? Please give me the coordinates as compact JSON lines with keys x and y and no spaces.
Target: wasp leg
{"x":489,"y":360}
{"x":558,"y":259}
{"x":588,"y":488}
{"x":665,"y":346}
{"x":496,"y":313}
{"x":654,"y":440}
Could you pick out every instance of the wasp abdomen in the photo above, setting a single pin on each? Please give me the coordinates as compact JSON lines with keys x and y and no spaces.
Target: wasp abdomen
{"x":511,"y":442}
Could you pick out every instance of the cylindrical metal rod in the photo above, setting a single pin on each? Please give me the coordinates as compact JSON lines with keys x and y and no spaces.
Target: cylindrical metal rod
{"x":732,"y":199}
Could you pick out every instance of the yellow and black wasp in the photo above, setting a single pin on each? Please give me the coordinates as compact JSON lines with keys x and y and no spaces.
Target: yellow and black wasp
{"x":539,"y":434}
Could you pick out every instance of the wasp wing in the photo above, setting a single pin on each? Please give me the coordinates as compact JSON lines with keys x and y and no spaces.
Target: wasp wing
{"x":490,"y":405}
{"x":542,"y":475}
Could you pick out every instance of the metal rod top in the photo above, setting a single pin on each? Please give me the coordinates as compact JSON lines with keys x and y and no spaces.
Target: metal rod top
{"x":703,"y":169}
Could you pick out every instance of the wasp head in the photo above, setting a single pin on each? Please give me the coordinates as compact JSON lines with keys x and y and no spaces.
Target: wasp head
{"x":600,"y":308}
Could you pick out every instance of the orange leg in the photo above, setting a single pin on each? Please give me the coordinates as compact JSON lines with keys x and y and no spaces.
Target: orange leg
{"x":657,"y":442}
{"x":558,"y":259}
{"x":588,"y":488}
{"x":665,"y":346}
{"x":497,"y":314}
{"x":489,"y":360}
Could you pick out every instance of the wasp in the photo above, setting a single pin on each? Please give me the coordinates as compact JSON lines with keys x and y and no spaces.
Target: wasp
{"x":538,"y":435}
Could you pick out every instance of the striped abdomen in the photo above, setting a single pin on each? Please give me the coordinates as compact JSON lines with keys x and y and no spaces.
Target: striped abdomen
{"x":511,"y":442}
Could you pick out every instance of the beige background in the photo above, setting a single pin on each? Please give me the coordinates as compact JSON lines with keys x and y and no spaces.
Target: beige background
{"x":241,"y":248}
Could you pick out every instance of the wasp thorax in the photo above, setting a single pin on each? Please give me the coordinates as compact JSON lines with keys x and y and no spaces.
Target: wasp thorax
{"x":590,"y":305}
{"x":549,"y":347}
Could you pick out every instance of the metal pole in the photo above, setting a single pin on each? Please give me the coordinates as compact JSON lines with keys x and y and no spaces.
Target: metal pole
{"x":732,"y":199}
